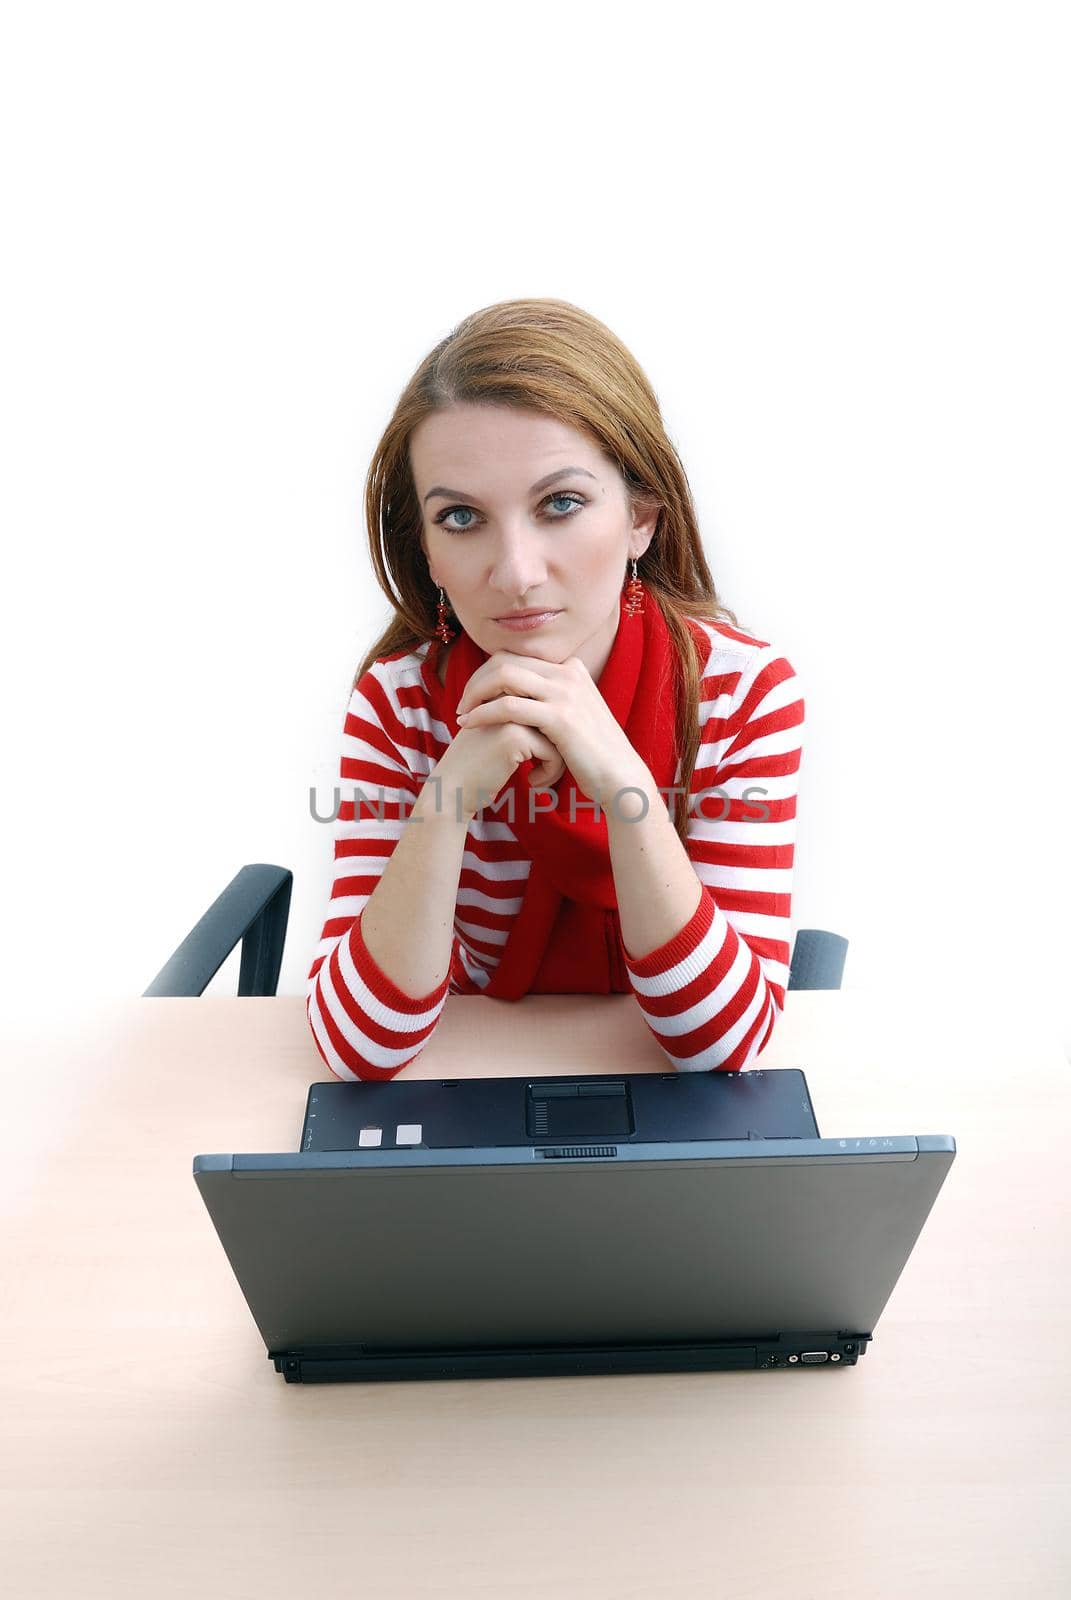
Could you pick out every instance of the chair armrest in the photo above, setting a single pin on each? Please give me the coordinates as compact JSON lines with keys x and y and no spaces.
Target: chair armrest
{"x":254,"y":907}
{"x":817,"y":959}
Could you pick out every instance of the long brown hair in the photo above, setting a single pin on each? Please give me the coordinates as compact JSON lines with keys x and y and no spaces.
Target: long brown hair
{"x":546,"y":356}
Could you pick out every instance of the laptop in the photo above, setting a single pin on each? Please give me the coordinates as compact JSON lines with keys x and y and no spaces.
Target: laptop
{"x":489,"y":1227}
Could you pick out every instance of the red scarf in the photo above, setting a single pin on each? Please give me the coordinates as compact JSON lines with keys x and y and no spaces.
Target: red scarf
{"x":572,"y":858}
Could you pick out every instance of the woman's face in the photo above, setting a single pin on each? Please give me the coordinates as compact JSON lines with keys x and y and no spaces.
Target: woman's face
{"x":507,"y":528}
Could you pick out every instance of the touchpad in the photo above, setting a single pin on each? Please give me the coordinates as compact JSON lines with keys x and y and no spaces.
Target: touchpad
{"x":580,"y":1108}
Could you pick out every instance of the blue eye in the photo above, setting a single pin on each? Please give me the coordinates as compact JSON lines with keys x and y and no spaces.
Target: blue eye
{"x":575,"y":500}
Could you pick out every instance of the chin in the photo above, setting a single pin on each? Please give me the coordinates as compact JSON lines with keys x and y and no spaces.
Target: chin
{"x":538,"y":649}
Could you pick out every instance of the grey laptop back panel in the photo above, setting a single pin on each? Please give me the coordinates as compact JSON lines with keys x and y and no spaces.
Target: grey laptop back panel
{"x":546,"y":1248}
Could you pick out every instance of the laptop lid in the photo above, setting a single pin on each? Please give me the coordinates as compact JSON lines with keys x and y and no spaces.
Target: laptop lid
{"x":578,"y":1258}
{"x":633,"y":1108}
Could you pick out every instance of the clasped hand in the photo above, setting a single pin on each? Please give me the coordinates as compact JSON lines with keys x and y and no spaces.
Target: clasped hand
{"x":562,"y":700}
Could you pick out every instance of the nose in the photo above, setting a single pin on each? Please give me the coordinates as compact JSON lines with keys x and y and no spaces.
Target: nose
{"x":519,"y":569}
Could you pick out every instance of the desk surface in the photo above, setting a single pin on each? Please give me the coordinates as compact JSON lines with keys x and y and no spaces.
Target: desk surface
{"x":151,"y":1448}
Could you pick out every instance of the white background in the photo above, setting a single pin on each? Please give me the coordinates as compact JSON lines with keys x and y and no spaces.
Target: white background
{"x":835,"y":237}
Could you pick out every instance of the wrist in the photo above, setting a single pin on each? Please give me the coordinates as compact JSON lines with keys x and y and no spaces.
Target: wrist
{"x":440,"y":804}
{"x":632,"y":794}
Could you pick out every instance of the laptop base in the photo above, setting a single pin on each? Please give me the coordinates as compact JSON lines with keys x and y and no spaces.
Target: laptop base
{"x":607,"y":1108}
{"x":355,"y":1363}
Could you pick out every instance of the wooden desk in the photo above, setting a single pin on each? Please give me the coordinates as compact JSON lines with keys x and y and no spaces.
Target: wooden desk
{"x":152,"y":1450}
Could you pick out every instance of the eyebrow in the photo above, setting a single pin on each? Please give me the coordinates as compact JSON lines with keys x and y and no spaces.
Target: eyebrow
{"x":552,"y":477}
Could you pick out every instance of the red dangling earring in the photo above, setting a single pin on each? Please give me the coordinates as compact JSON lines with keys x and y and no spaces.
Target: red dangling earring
{"x":634,"y":594}
{"x":442,"y":631}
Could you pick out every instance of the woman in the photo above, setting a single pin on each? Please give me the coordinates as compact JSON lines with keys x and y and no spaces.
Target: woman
{"x":597,"y":801}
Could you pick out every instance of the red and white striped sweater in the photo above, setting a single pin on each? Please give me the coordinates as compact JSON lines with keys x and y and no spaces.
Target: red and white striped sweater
{"x":711,"y":995}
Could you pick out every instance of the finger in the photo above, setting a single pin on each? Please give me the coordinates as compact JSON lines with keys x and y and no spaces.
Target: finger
{"x":527,"y":744}
{"x":549,"y":763}
{"x":484,"y":686}
{"x":546,"y":774}
{"x":506,"y":708}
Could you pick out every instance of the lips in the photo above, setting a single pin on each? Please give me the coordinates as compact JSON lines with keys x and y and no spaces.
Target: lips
{"x":536,"y":611}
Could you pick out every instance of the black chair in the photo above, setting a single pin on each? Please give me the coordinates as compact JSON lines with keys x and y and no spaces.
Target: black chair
{"x":254,"y":908}
{"x":817,"y":959}
{"x":255,"y":905}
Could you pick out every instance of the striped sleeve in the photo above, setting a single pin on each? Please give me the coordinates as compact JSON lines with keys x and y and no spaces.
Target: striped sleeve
{"x":712,"y":994}
{"x":363,"y":1024}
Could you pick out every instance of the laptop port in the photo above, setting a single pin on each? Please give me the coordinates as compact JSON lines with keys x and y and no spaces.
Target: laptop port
{"x":811,"y":1358}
